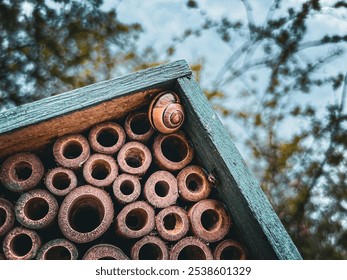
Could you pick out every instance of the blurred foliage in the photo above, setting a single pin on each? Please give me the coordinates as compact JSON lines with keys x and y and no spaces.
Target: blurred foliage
{"x":297,"y":150}
{"x":48,"y":47}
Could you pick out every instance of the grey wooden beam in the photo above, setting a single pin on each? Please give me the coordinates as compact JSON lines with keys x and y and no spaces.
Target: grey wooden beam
{"x":45,"y":109}
{"x":257,"y":223}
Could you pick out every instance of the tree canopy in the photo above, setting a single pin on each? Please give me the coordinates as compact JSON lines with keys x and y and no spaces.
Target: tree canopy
{"x":48,"y":47}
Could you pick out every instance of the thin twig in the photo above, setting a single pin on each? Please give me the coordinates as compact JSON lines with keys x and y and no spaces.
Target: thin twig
{"x":250,"y":18}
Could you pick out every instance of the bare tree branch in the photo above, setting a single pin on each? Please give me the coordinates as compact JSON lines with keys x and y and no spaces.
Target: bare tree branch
{"x":250,"y":18}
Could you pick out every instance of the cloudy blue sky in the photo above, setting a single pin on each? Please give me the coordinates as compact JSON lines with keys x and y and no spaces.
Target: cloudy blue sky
{"x":164,"y":19}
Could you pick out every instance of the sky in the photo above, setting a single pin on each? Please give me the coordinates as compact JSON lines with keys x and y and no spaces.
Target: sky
{"x":164,"y":19}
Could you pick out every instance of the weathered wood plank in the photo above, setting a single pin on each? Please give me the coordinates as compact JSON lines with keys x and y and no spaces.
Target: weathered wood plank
{"x":82,"y":98}
{"x":37,"y":136}
{"x":252,"y":214}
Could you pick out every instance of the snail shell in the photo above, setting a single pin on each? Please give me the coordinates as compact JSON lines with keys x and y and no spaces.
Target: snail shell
{"x":166,"y":114}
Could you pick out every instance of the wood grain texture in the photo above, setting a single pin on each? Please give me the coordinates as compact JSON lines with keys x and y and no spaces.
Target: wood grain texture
{"x":256,"y":221}
{"x":31,"y":126}
{"x":37,"y":136}
{"x":81,"y":98}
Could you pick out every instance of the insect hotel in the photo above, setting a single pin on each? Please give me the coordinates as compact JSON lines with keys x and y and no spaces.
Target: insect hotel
{"x":138,"y":167}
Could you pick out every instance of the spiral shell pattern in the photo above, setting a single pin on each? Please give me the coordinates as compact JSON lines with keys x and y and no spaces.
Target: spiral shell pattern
{"x":166,"y":114}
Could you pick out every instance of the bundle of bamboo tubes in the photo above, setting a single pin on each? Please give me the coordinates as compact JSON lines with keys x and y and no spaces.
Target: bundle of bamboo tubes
{"x":130,"y":191}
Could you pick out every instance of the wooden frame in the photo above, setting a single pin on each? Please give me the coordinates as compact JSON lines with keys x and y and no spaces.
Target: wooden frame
{"x":34,"y":126}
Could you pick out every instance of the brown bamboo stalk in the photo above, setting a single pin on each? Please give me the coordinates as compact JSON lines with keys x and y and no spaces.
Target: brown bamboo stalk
{"x":126,"y":188}
{"x":60,"y":181}
{"x":172,"y":152}
{"x":36,"y":209}
{"x":105,"y":252}
{"x":149,"y":248}
{"x":229,"y":250}
{"x":172,"y":223}
{"x":209,"y":220}
{"x":138,"y":127}
{"x":107,"y":138}
{"x":100,"y":170}
{"x":85,"y":214}
{"x":134,"y":158}
{"x":7,"y":216}
{"x":193,"y":184}
{"x":21,"y":244}
{"x":71,"y":151}
{"x":160,"y":189}
{"x":58,"y":249}
{"x":190,"y":248}
{"x":135,"y":220}
{"x":21,"y":172}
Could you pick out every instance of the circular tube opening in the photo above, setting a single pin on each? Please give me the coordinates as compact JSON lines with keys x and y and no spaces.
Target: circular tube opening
{"x":140,"y":124}
{"x":73,"y":149}
{"x":21,"y":244}
{"x":150,"y":251}
{"x":136,"y":219}
{"x":161,"y":188}
{"x":209,"y":219}
{"x":36,"y":208}
{"x":23,"y":171}
{"x":174,"y":149}
{"x":58,"y":253}
{"x":135,"y":157}
{"x":172,"y":221}
{"x":194,"y":182}
{"x":3,"y":217}
{"x":61,"y":181}
{"x":192,"y":252}
{"x":86,"y":214}
{"x":127,"y":187}
{"x":230,"y":253}
{"x":100,"y":169}
{"x":107,"y":137}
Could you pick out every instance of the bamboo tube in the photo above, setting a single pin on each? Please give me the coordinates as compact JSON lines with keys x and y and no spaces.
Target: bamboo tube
{"x":138,"y":127}
{"x":126,"y":188}
{"x":172,"y":152}
{"x":193,"y":184}
{"x":100,"y":170}
{"x":71,"y":151}
{"x":209,"y":220}
{"x":58,"y":249}
{"x":105,"y":252}
{"x":149,"y":248}
{"x":60,"y":181}
{"x":36,"y":209}
{"x":7,"y":216}
{"x":190,"y":248}
{"x":172,"y":223}
{"x":21,"y":244}
{"x":161,"y":189}
{"x":134,"y":158}
{"x":85,"y":214}
{"x":135,"y":220}
{"x":107,"y":138}
{"x":21,"y":172}
{"x":229,"y":250}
